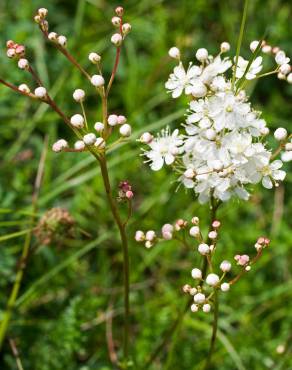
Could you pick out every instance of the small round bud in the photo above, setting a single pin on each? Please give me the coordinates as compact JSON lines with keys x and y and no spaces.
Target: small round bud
{"x":264,"y":131}
{"x":281,"y":58}
{"x":23,"y":63}
{"x":79,"y":95}
{"x":97,"y":80}
{"x":225,"y":266}
{"x":53,"y":36}
{"x":112,"y":120}
{"x":266,"y":49}
{"x":100,"y":143}
{"x":186,"y":288}
{"x":216,"y":224}
{"x":167,"y":228}
{"x":89,"y":139}
{"x":281,"y":76}
{"x":43,"y":12}
{"x":202,"y":54}
{"x":94,"y":58}
{"x":121,"y":120}
{"x":24,"y":88}
{"x":125,"y":130}
{"x":126,"y":28}
{"x":79,"y":145}
{"x":116,"y":21}
{"x":199,"y":298}
{"x":99,"y":126}
{"x":225,"y":287}
{"x":195,"y":231}
{"x":166,"y":235}
{"x":288,"y":147}
{"x":77,"y":121}
{"x":139,"y":236}
{"x":289,"y":78}
{"x":193,"y":291}
{"x":286,"y":156}
{"x":148,"y":244}
{"x":280,"y":349}
{"x":59,"y":145}
{"x":150,"y":235}
{"x":10,"y":53}
{"x":62,"y":40}
{"x":212,"y":279}
{"x":146,"y":138}
{"x":225,"y":47}
{"x":117,"y":39}
{"x":189,"y":173}
{"x":247,"y":268}
{"x":285,"y":69}
{"x":280,"y":134}
{"x":203,"y":249}
{"x":174,"y":53}
{"x":206,"y":307}
{"x":196,"y":273}
{"x":212,"y":234}
{"x":194,"y":308}
{"x":119,"y":11}
{"x":195,"y":220}
{"x":40,"y":92}
{"x":37,"y":19}
{"x":253,"y":45}
{"x":199,"y":90}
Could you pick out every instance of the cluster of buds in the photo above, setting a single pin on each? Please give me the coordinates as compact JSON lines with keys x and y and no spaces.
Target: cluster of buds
{"x":125,"y":191}
{"x":149,"y":238}
{"x":40,"y":19}
{"x":123,"y":28}
{"x":15,"y":50}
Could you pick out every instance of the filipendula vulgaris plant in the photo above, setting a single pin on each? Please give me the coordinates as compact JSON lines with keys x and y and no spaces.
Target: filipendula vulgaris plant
{"x":220,"y":151}
{"x":94,"y":138}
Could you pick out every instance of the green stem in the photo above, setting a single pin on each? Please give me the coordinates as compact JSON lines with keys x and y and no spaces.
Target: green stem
{"x":214,"y":331}
{"x":239,"y":42}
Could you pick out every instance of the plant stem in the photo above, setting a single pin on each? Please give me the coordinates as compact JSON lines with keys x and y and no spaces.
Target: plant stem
{"x":124,"y":240}
{"x":25,"y":251}
{"x":214,"y":331}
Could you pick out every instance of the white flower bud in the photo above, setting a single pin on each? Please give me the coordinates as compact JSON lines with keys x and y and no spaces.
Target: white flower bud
{"x":174,"y":53}
{"x":146,"y":138}
{"x":125,"y":130}
{"x":139,"y":236}
{"x":212,"y":234}
{"x":253,"y":45}
{"x":89,"y":139}
{"x":193,"y":291}
{"x":79,"y":95}
{"x":53,"y":36}
{"x":100,"y":143}
{"x":194,"y":308}
{"x":23,"y":63}
{"x":225,"y":287}
{"x":24,"y":88}
{"x":199,"y":90}
{"x":94,"y":58}
{"x":148,"y":244}
{"x":210,"y":134}
{"x":264,"y":131}
{"x":166,"y":235}
{"x":189,"y":173}
{"x":99,"y":126}
{"x":286,"y":156}
{"x":285,"y":69}
{"x":117,"y":39}
{"x":167,"y":228}
{"x":195,"y":220}
{"x":289,"y":78}
{"x":10,"y":53}
{"x":79,"y":145}
{"x":203,"y":249}
{"x":195,"y":231}
{"x":59,"y":145}
{"x":150,"y":235}
{"x":206,"y":307}
{"x":266,"y":49}
{"x":40,"y":92}
{"x":281,"y":76}
{"x":77,"y":121}
{"x":202,"y":54}
{"x":43,"y":12}
{"x":199,"y":298}
{"x":196,"y":273}
{"x":212,"y":279}
{"x":280,"y":134}
{"x":126,"y":28}
{"x":119,"y":11}
{"x":97,"y":80}
{"x":116,"y":21}
{"x":62,"y":40}
{"x":225,"y":47}
{"x":112,"y":120}
{"x":225,"y":266}
{"x":121,"y":120}
{"x":37,"y":19}
{"x":288,"y":147}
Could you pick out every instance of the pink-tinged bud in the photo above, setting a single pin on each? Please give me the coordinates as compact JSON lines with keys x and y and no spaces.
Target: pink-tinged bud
{"x":23,"y":64}
{"x":10,"y":44}
{"x":59,"y":145}
{"x":122,"y":120}
{"x":212,"y":234}
{"x":186,"y":288}
{"x":10,"y":53}
{"x":139,"y":236}
{"x":261,"y":240}
{"x":43,"y":12}
{"x":129,"y":194}
{"x":119,"y":11}
{"x":20,"y":49}
{"x":275,"y":49}
{"x":146,"y":138}
{"x":150,"y":235}
{"x":189,"y":173}
{"x":267,"y":241}
{"x":166,"y":235}
{"x":225,"y":266}
{"x":242,"y":260}
{"x":112,"y":120}
{"x":195,"y":220}
{"x":117,"y":39}
{"x":116,"y":21}
{"x":216,"y":224}
{"x":126,"y":28}
{"x":167,"y":228}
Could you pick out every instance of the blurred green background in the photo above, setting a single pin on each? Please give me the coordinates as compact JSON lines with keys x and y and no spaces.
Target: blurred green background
{"x":59,"y":321}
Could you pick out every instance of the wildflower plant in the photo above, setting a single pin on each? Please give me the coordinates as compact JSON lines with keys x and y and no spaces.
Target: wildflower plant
{"x":95,"y":138}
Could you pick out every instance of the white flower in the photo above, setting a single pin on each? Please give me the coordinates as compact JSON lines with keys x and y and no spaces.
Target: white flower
{"x":214,"y":68}
{"x":164,"y":149}
{"x":253,"y":45}
{"x":224,"y":47}
{"x":285,"y":69}
{"x":255,"y":67}
{"x":271,"y":172}
{"x":281,"y":58}
{"x":180,"y":80}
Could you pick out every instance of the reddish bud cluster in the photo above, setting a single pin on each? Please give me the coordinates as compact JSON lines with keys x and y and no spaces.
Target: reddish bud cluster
{"x":125,"y":190}
{"x":15,"y":50}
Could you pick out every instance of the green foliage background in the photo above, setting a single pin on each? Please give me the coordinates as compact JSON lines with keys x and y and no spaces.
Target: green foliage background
{"x":59,"y":320}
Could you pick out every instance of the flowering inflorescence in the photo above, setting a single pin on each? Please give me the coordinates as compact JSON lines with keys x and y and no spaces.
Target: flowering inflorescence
{"x":223,"y":147}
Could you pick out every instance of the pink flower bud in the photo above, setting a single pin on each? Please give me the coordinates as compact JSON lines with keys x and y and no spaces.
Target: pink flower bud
{"x":129,"y":194}
{"x":242,"y":260}
{"x":216,"y":224}
{"x":119,"y":11}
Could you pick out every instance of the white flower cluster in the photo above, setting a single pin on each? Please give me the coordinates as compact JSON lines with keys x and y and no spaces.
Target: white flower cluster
{"x":223,"y":148}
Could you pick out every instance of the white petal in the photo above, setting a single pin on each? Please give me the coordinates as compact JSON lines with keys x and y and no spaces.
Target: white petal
{"x":267,"y":182}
